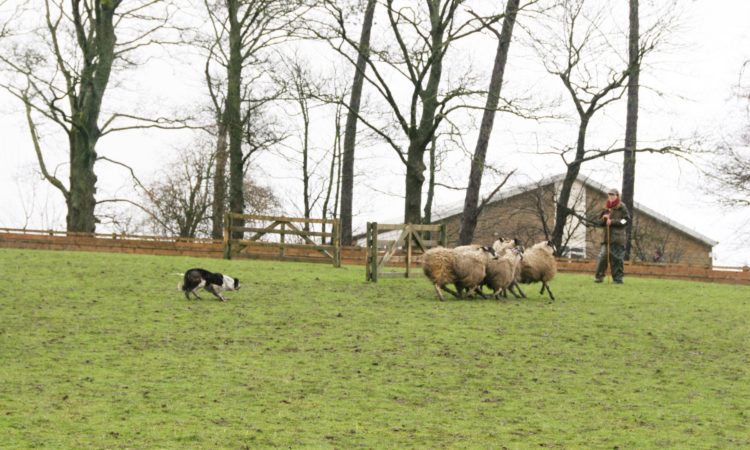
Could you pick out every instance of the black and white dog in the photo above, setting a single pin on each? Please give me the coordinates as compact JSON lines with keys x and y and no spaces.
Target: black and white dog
{"x":214,"y":283}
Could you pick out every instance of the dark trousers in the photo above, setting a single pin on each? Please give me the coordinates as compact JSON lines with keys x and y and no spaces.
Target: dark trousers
{"x":616,"y":256}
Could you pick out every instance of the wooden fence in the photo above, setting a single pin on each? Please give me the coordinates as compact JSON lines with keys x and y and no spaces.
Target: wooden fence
{"x":720,"y":274}
{"x":235,"y":244}
{"x":209,"y":248}
{"x":115,"y":243}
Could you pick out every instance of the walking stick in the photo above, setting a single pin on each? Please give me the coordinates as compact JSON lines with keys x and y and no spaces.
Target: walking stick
{"x":609,"y":257}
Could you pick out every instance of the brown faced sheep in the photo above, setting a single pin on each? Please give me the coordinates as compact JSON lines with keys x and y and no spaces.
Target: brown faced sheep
{"x":539,"y":264}
{"x":502,"y":272}
{"x":465,"y":269}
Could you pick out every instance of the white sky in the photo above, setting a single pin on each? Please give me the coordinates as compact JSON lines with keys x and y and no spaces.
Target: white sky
{"x":690,"y":91}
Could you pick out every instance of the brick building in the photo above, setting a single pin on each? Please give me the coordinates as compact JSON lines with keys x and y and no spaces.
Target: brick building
{"x":528,"y":213}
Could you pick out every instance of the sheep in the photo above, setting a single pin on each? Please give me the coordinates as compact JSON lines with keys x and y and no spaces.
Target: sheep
{"x":464,"y":268}
{"x":539,"y":264}
{"x":501,"y":273}
{"x":502,"y":246}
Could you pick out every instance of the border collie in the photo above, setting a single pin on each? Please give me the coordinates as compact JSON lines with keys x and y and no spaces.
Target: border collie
{"x":214,"y":283}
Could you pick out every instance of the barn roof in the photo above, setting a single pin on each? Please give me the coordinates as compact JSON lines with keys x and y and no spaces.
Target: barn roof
{"x":457,"y":208}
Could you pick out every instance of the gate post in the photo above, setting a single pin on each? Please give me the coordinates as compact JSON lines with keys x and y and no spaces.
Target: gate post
{"x":372,"y":252}
{"x":336,"y":228}
{"x":443,"y":235}
{"x":409,"y":237}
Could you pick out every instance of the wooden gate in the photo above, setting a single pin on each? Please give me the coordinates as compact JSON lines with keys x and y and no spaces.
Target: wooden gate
{"x":424,"y":236}
{"x":280,"y":229}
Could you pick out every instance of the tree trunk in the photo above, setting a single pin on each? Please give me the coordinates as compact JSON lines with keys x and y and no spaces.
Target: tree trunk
{"x":85,"y":110}
{"x":350,"y":133}
{"x":332,"y":170}
{"x":471,"y":202}
{"x":218,"y":207}
{"x":414,"y":182}
{"x":421,"y":136}
{"x":561,"y":209}
{"x":81,"y":201}
{"x":305,"y":159}
{"x":430,"y":183}
{"x":234,"y":122}
{"x":631,"y":123}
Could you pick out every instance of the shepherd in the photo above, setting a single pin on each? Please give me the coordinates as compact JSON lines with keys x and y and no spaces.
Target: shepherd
{"x":615,"y":219}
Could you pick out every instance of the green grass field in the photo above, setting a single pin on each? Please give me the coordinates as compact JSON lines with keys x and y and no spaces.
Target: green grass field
{"x":101,"y":351}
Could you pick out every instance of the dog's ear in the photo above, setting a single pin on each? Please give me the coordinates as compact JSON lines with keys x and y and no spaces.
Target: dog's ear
{"x":236,"y":283}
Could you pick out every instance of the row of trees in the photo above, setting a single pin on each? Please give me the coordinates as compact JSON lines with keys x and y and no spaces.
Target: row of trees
{"x":64,"y":74}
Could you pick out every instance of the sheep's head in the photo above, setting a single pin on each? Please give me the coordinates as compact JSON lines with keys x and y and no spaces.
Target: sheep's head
{"x":502,"y":245}
{"x":489,"y":252}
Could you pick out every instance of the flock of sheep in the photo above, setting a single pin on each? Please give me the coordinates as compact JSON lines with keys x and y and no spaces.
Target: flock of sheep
{"x":500,"y":267}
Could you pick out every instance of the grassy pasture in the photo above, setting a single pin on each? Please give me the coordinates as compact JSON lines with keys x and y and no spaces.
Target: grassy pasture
{"x":101,"y":351}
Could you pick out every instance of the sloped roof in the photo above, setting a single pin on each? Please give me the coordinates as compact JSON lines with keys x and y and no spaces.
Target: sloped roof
{"x":457,"y":208}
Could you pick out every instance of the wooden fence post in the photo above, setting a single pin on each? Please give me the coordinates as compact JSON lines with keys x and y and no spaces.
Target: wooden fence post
{"x":227,"y":237}
{"x":368,"y":260}
{"x":409,"y":237}
{"x":372,"y":250}
{"x":336,"y":230}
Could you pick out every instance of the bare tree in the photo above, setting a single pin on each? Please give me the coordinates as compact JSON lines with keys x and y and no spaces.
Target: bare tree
{"x":335,"y":172}
{"x":301,"y":89}
{"x":728,"y":174}
{"x":63,"y":77}
{"x":578,"y":57}
{"x":180,"y":200}
{"x":631,"y":121}
{"x":243,"y":33}
{"x":350,"y":131}
{"x":729,"y":177}
{"x":421,"y":37}
{"x":471,"y":201}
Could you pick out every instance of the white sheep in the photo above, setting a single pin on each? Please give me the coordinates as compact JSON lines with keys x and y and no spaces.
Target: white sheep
{"x":501,"y":272}
{"x":464,"y":268}
{"x":539,"y":264}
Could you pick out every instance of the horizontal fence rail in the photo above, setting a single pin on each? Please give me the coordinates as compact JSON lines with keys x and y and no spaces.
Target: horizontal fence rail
{"x":113,"y":243}
{"x":210,"y":248}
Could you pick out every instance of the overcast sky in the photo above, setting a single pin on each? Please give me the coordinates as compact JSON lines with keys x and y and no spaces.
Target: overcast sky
{"x":689,"y":89}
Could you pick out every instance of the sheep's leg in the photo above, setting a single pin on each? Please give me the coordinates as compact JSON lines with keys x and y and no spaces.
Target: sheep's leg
{"x":518,"y":288}
{"x":450,"y":291}
{"x":548,"y":290}
{"x":510,"y":289}
{"x":439,"y":293}
{"x":476,"y":290}
{"x":459,"y":293}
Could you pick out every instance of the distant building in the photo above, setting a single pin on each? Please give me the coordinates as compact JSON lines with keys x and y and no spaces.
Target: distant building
{"x":528,"y":213}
